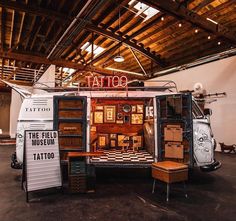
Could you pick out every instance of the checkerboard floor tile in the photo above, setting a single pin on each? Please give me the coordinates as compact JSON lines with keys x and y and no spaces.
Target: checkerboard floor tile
{"x":118,"y":156}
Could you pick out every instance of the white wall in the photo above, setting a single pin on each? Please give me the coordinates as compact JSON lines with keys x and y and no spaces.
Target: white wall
{"x":218,"y":76}
{"x":5,"y":100}
{"x":47,"y":79}
{"x":16,"y":102}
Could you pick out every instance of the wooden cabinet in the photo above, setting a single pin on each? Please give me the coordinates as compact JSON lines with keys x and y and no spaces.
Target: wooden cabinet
{"x":77,"y":174}
{"x":70,"y":121}
{"x":81,"y":176}
{"x":175,"y":128}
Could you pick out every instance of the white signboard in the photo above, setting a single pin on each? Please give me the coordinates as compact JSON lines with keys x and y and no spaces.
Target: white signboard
{"x":37,"y":108}
{"x":42,"y":160}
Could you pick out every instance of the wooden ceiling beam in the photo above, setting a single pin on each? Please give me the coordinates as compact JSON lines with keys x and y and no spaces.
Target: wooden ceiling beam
{"x":52,"y":22}
{"x":35,"y":33}
{"x":38,"y":59}
{"x":43,"y":60}
{"x":181,"y":12}
{"x":202,"y":4}
{"x":147,"y":26}
{"x":138,"y":61}
{"x":116,"y":14}
{"x":12,"y":28}
{"x":3,"y":16}
{"x":26,"y":41}
{"x":126,"y":42}
{"x":35,"y":10}
{"x":113,"y":7}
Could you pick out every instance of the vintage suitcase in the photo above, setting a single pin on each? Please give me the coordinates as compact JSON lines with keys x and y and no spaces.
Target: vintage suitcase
{"x":173,"y":133}
{"x":174,"y":150}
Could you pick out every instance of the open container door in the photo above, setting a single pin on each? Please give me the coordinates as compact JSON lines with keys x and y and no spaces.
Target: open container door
{"x":204,"y":143}
{"x":70,"y":119}
{"x":175,"y":128}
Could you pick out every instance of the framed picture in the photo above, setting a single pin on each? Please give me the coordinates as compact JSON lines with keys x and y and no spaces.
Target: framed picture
{"x":98,"y":107}
{"x":110,"y":114}
{"x":122,"y":140}
{"x":102,"y":140}
{"x":119,"y":121}
{"x":98,"y":117}
{"x":139,"y":108}
{"x":119,"y":116}
{"x":93,"y":129}
{"x":133,"y":108}
{"x":91,"y":118}
{"x":149,"y":111}
{"x":137,"y":141}
{"x":112,"y":143}
{"x":113,"y":136}
{"x":137,"y":119}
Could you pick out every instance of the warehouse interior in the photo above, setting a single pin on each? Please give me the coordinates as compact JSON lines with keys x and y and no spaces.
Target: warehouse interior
{"x":126,"y":85}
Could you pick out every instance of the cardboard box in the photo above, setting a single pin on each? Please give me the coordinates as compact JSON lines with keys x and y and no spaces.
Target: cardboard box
{"x":173,"y":133}
{"x":174,"y":150}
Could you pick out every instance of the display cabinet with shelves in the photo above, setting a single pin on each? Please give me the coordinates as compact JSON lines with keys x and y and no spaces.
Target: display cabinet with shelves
{"x":70,"y":121}
{"x":175,"y":111}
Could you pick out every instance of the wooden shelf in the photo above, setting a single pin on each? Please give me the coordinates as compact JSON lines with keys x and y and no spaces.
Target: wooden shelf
{"x":72,"y":120}
{"x":70,"y":109}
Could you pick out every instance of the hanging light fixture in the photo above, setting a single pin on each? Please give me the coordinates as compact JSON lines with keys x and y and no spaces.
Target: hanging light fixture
{"x":119,"y":57}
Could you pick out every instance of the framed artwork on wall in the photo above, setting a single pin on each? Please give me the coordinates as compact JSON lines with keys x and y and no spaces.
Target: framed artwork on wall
{"x":112,"y":143}
{"x":109,"y":114}
{"x":93,"y":129}
{"x":91,"y":118}
{"x":99,"y":107}
{"x":119,"y":121}
{"x":121,"y":139}
{"x":137,"y":119}
{"x":113,"y":136}
{"x":102,"y":140}
{"x":139,"y":108}
{"x":98,"y":117}
{"x":133,"y":108}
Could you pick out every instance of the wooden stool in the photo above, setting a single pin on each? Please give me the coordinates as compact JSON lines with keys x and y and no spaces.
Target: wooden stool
{"x":169,"y":172}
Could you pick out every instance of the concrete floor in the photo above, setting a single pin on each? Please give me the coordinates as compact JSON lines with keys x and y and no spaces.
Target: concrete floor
{"x":124,"y":196}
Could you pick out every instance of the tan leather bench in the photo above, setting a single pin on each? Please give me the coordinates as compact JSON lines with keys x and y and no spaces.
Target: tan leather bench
{"x":169,"y":172}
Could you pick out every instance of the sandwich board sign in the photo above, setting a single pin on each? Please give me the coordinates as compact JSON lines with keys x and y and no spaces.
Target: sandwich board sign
{"x":41,"y":167}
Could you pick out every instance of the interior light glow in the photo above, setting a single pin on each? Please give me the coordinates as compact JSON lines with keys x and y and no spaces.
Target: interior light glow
{"x":67,"y":70}
{"x":209,"y":37}
{"x":119,"y":58}
{"x":124,"y":71}
{"x":212,"y":21}
{"x":96,"y":49}
{"x":145,"y":9}
{"x":196,"y":31}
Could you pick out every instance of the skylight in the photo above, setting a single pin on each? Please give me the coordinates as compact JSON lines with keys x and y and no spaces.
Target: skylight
{"x":96,"y":49}
{"x":68,"y":70}
{"x":148,"y":11}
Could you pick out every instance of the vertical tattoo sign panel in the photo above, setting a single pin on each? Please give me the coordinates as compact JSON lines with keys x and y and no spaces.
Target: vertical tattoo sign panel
{"x":42,"y":160}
